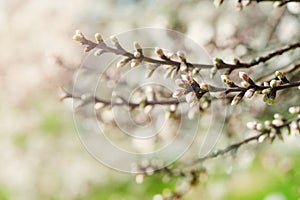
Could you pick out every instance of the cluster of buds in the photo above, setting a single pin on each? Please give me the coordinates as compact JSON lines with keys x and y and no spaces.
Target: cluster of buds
{"x":192,"y":178}
{"x":239,"y":3}
{"x":249,"y":88}
{"x":247,"y":83}
{"x":192,"y":90}
{"x":295,"y":126}
{"x":294,"y":110}
{"x":169,"y":56}
{"x":146,"y":168}
{"x":270,"y":92}
{"x":180,"y":57}
{"x":173,"y":70}
{"x":266,"y":125}
{"x":273,"y":127}
{"x":78,"y":36}
{"x":137,"y":54}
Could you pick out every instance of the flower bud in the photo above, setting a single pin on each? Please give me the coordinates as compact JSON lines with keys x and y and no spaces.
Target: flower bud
{"x":225,"y":78}
{"x":237,"y":98}
{"x":98,"y":38}
{"x":249,"y":93}
{"x":266,"y":91}
{"x":271,"y":101}
{"x":277,"y":116}
{"x":236,"y":61}
{"x":277,"y":122}
{"x":245,"y":84}
{"x":173,"y":108}
{"x":262,"y":138}
{"x":137,"y":45}
{"x":251,"y":125}
{"x":247,"y":2}
{"x":99,"y":106}
{"x":294,"y":125}
{"x":272,"y":97}
{"x":276,"y":4}
{"x":139,"y":179}
{"x":218,"y":3}
{"x":279,"y":74}
{"x":98,"y":52}
{"x":217,"y":62}
{"x":257,"y":91}
{"x":148,"y":109}
{"x":114,"y":40}
{"x":268,"y":124}
{"x":294,"y":110}
{"x":260,"y":127}
{"x":183,"y":67}
{"x":78,"y":32}
{"x":158,"y":51}
{"x":204,"y":86}
{"x":149,"y":93}
{"x":274,"y":83}
{"x":78,"y":36}
{"x":122,"y":63}
{"x":181,"y":55}
{"x":281,"y":77}
{"x":137,"y":54}
{"x":134,"y":63}
{"x":265,"y":98}
{"x":244,"y":76}
{"x":195,"y":71}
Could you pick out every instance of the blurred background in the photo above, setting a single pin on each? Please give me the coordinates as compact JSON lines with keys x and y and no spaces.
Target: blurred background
{"x":41,"y":156}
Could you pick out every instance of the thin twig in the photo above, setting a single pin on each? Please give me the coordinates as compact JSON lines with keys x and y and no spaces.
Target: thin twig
{"x":237,"y":145}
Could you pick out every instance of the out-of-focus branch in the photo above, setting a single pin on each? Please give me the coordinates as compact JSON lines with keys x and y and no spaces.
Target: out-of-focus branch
{"x":87,"y":98}
{"x":236,"y":146}
{"x":193,"y":171}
